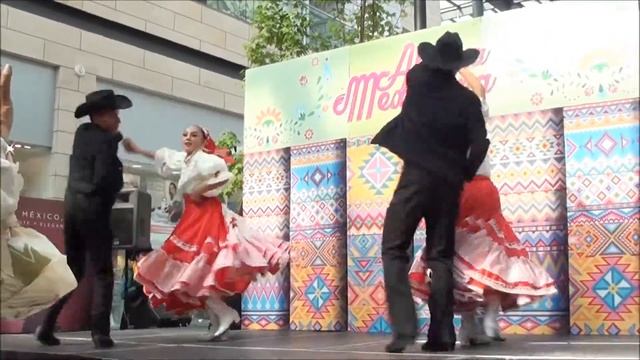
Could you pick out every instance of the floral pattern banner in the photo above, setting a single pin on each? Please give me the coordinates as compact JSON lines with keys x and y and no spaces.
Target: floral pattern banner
{"x":526,"y":64}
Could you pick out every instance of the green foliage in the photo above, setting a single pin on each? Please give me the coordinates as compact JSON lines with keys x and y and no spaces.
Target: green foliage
{"x":230,"y":141}
{"x":372,"y":21}
{"x":284,"y":28}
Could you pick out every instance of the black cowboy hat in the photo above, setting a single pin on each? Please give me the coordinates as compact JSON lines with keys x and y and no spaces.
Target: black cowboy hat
{"x":447,"y":53}
{"x":101,"y":100}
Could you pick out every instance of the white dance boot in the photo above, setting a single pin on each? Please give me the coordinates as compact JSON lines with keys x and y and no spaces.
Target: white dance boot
{"x":226,"y":316}
{"x":490,"y":321}
{"x":214,"y":325}
{"x":470,"y":332}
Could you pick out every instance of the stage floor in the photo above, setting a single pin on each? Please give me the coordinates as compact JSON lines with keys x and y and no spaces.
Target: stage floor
{"x":184,"y":343}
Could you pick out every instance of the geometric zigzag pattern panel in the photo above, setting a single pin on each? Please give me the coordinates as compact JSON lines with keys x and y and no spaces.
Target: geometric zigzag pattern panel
{"x":528,"y":168}
{"x":372,"y":176}
{"x":318,"y":224}
{"x":266,"y":192}
{"x":603,"y":168}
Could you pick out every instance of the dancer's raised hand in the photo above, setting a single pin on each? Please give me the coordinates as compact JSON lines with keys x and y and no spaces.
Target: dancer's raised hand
{"x":130,"y":146}
{"x":473,"y":82}
{"x":133,"y":148}
{"x":6,"y":105}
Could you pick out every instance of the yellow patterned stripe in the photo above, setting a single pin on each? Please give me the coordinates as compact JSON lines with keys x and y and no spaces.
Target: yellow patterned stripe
{"x":317,"y":158}
{"x":602,"y":122}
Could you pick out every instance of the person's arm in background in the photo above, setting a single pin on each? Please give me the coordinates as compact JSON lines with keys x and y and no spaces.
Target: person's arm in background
{"x":473,"y":82}
{"x":6,"y":105}
{"x":9,"y":187}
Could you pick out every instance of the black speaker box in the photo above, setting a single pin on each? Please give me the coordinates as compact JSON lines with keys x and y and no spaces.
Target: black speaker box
{"x":131,"y":220}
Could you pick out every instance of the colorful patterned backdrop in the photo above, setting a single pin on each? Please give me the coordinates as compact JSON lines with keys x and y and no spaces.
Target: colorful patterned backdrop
{"x":528,"y":167}
{"x":319,"y":237}
{"x":603,"y":169}
{"x":351,"y":92}
{"x":527,"y":156}
{"x":265,"y":304}
{"x":372,"y":174}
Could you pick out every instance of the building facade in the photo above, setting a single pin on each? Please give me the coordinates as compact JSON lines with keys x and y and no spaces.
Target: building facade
{"x":180,"y":62}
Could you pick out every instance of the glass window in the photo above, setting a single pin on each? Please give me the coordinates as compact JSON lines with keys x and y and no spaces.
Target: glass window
{"x":243,"y":10}
{"x":33,"y":94}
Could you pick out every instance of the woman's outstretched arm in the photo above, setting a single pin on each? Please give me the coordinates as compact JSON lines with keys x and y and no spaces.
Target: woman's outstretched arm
{"x":473,"y":82}
{"x":133,"y":148}
{"x":6,"y":105}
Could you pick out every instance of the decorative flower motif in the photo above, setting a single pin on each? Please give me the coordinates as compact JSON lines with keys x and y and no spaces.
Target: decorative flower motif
{"x":268,"y":126}
{"x":613,"y":88}
{"x":268,"y":117}
{"x":588,"y":91}
{"x":536,"y":99}
{"x":315,"y":61}
{"x":308,"y":134}
{"x":303,"y":80}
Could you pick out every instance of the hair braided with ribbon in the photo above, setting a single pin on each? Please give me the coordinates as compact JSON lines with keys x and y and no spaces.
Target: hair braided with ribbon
{"x":209,"y":146}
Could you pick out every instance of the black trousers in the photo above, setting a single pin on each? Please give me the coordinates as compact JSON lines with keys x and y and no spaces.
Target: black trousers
{"x":421,"y":195}
{"x":88,"y":242}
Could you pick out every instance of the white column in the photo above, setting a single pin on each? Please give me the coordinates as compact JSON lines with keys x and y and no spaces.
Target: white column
{"x":433,"y":13}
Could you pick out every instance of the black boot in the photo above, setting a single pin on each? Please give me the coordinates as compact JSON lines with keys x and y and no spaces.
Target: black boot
{"x":46,"y":337}
{"x":398,"y":345}
{"x":438,"y":347}
{"x":102,"y":341}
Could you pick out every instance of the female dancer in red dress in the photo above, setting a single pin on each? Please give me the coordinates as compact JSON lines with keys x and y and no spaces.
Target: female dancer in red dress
{"x":491,"y":267}
{"x":211,"y":253}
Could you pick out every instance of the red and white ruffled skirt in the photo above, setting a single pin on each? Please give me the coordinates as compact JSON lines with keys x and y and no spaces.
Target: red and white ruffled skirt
{"x":210,"y":252}
{"x":489,"y":257}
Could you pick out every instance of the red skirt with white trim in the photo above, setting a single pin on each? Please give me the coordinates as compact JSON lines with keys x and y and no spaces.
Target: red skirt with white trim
{"x":211,"y":251}
{"x":489,"y":257}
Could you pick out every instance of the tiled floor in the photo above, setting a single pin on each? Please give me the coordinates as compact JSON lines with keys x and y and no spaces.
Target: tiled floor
{"x":185,"y":343}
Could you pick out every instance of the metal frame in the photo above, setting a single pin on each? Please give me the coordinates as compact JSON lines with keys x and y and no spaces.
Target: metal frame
{"x":460,"y":10}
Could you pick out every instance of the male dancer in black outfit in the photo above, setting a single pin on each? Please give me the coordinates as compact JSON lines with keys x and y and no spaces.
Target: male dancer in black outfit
{"x":440,"y":122}
{"x":95,"y":179}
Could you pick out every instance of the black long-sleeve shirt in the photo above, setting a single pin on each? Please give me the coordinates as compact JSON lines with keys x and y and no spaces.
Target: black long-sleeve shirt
{"x":439,"y":122}
{"x":95,"y":172}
